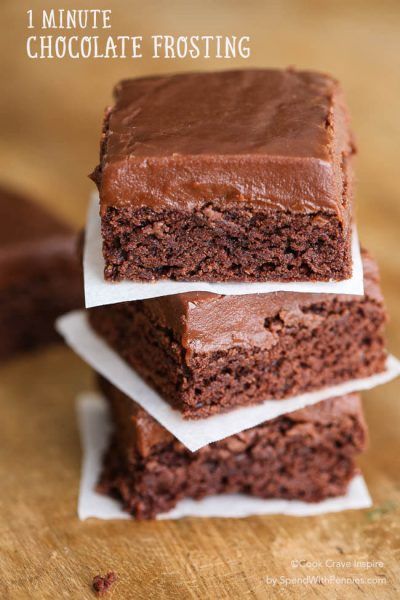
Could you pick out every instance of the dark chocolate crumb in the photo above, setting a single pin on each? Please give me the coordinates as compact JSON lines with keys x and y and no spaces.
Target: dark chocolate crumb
{"x":102,"y":583}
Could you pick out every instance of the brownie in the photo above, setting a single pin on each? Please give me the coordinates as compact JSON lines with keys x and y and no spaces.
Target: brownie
{"x":228,"y":176}
{"x":305,"y":455}
{"x":206,"y":353}
{"x":40,"y":275}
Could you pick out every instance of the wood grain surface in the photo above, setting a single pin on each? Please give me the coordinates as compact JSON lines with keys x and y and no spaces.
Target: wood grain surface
{"x":50,"y":121}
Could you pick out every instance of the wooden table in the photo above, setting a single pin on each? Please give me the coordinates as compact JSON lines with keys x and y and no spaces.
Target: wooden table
{"x":51,"y":113}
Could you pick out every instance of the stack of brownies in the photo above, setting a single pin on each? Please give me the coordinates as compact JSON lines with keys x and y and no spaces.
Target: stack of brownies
{"x":242,"y":176}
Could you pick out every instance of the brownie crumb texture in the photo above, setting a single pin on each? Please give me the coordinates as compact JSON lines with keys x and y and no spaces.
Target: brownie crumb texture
{"x":102,"y":583}
{"x":234,"y":244}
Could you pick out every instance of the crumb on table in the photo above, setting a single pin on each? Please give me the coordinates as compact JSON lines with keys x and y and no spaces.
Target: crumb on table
{"x":102,"y":583}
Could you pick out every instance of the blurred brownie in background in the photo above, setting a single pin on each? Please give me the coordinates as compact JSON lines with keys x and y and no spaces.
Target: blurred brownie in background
{"x":40,"y":275}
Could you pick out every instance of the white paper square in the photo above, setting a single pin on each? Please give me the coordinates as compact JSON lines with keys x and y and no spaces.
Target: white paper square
{"x":99,"y":292}
{"x":94,"y":428}
{"x":78,"y":334}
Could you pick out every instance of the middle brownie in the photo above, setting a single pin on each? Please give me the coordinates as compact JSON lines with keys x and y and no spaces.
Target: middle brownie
{"x":206,"y":353}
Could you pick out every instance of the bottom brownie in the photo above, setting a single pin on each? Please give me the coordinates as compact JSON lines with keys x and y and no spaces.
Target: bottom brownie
{"x":305,"y":455}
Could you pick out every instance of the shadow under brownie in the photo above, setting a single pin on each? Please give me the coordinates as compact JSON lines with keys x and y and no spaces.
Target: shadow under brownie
{"x":306,"y":455}
{"x":206,"y":353}
{"x":229,"y":176}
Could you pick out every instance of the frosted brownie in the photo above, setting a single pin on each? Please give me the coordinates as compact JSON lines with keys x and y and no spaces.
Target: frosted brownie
{"x":206,"y":353}
{"x":40,"y":276}
{"x":239,"y":175}
{"x":305,"y":455}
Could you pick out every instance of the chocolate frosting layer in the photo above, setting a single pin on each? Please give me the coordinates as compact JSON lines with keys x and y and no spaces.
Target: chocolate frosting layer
{"x":203,"y":322}
{"x":276,"y":138}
